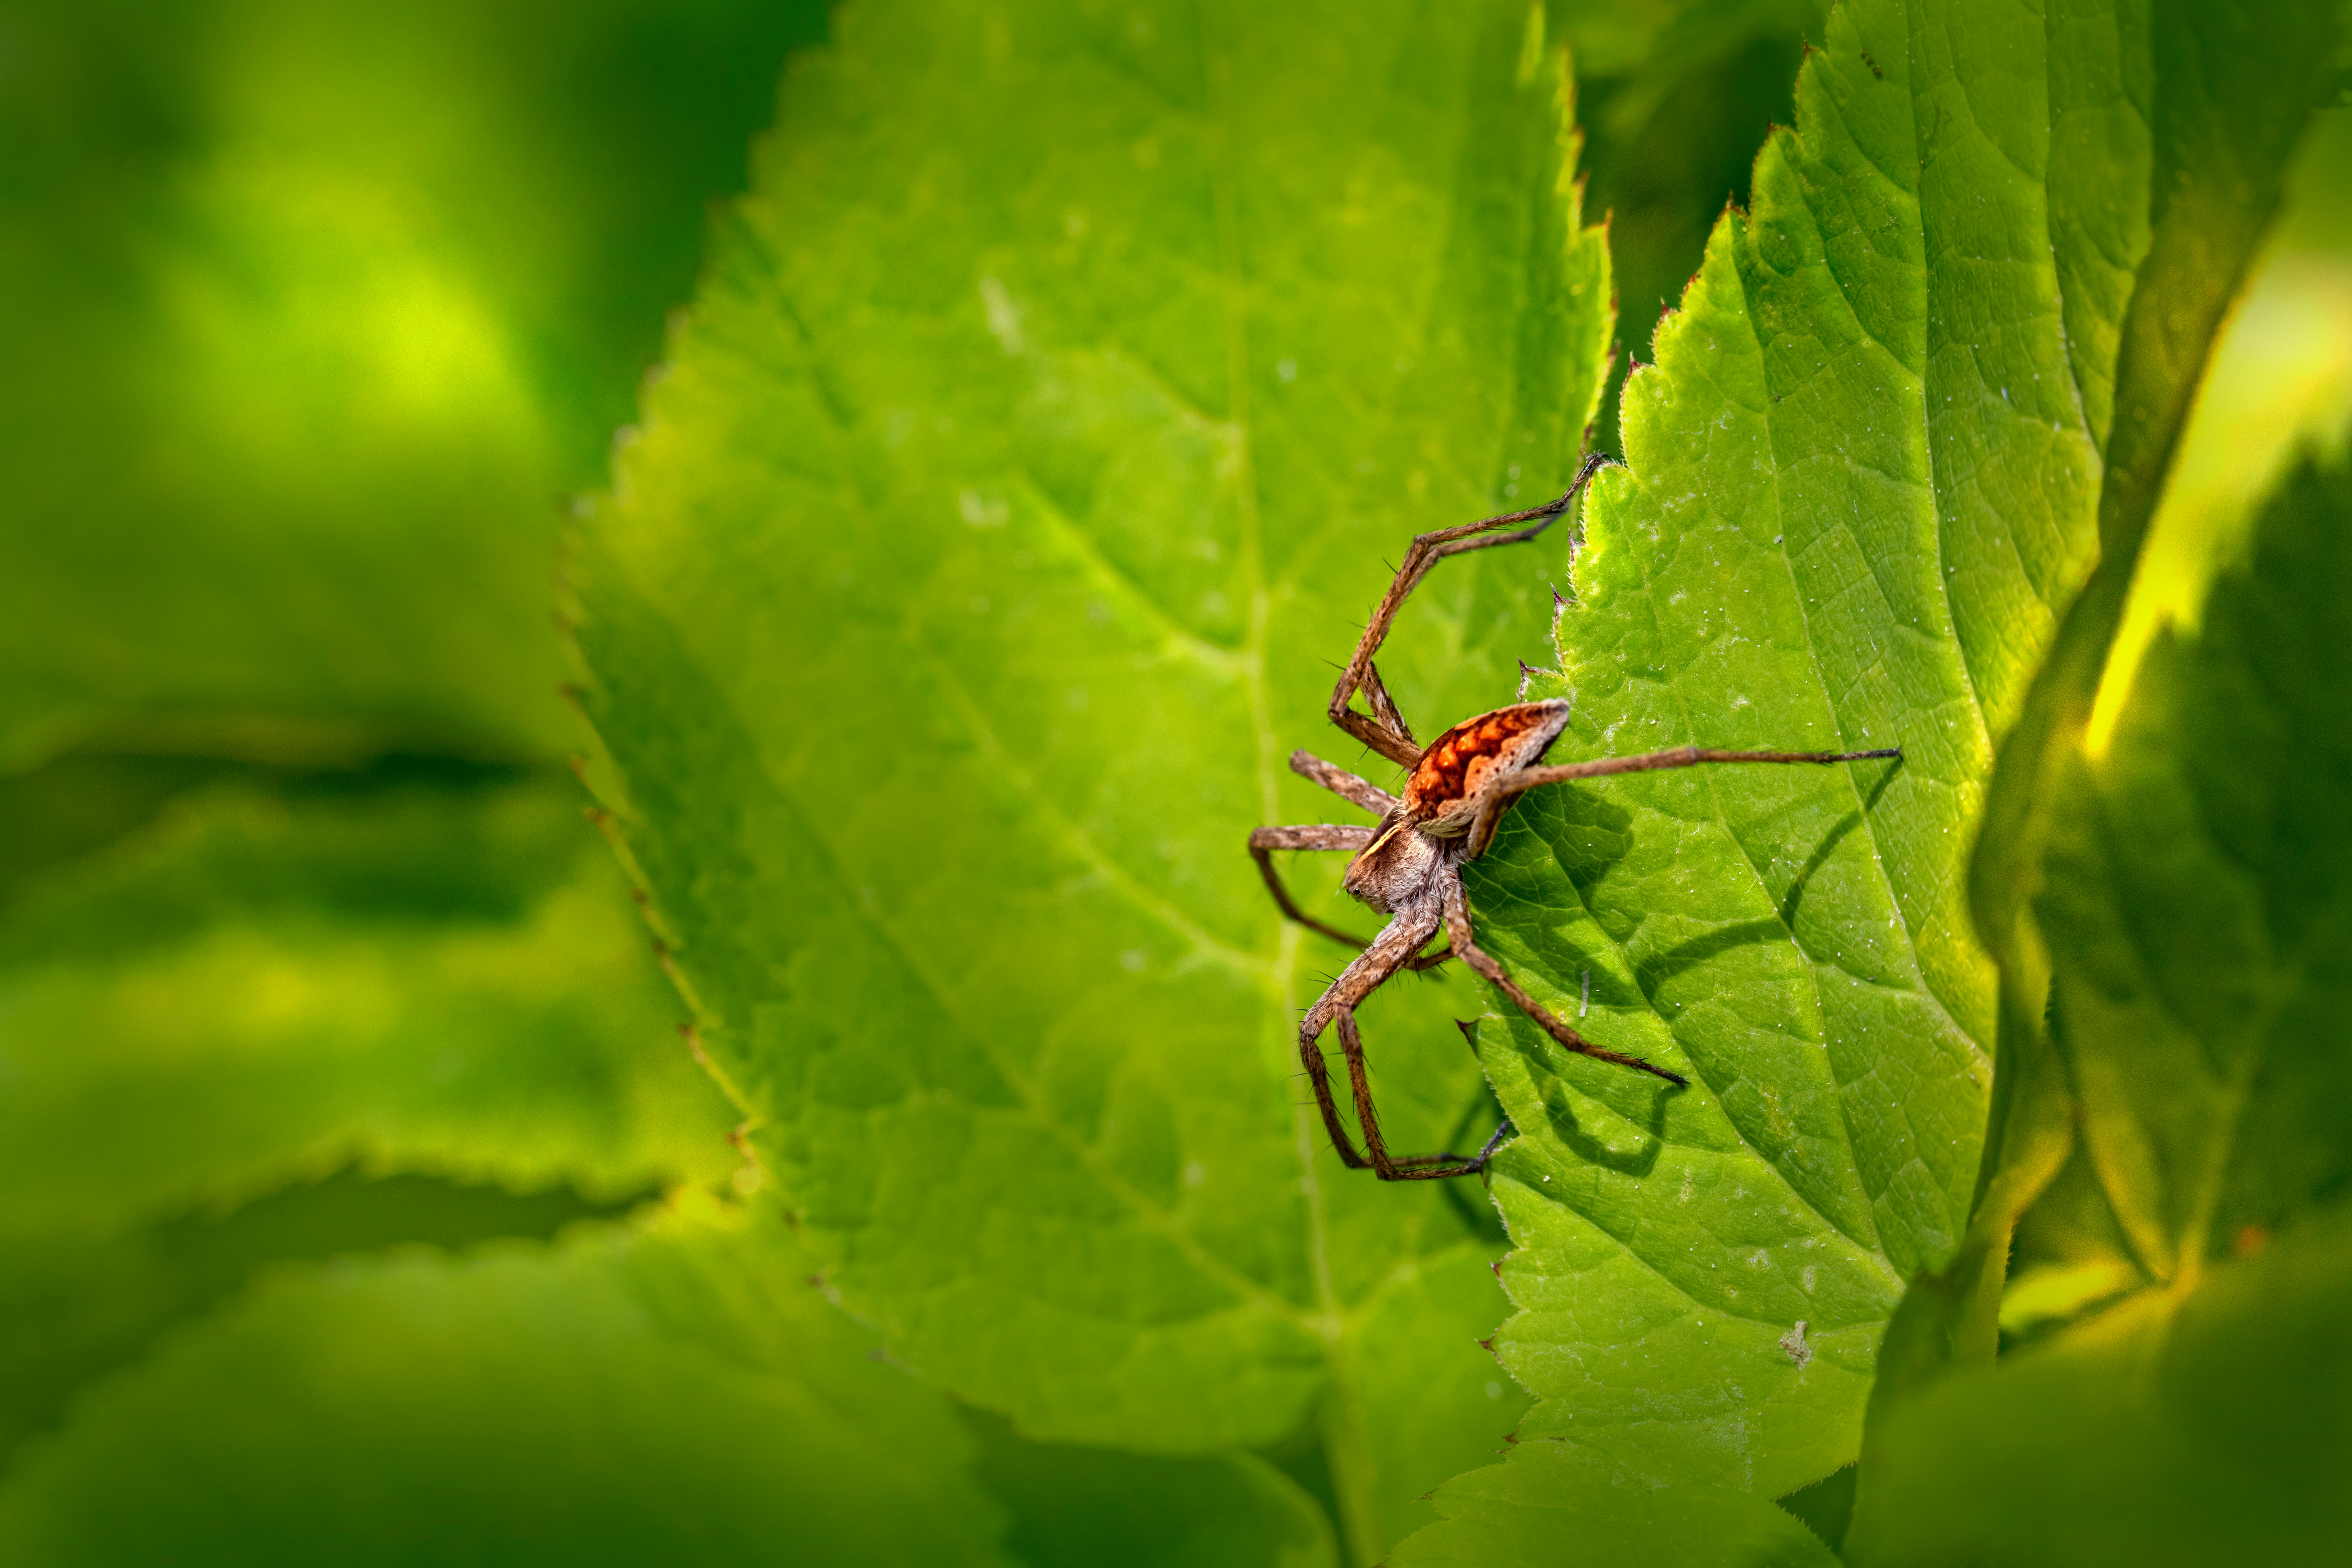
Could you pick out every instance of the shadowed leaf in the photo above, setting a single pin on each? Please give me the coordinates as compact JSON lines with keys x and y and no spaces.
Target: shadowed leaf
{"x":2198,"y":904}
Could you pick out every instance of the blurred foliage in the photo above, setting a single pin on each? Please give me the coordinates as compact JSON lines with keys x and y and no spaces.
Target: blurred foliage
{"x":358,"y":1193}
{"x":318,"y":312}
{"x":660,"y":1394}
{"x":2281,"y":380}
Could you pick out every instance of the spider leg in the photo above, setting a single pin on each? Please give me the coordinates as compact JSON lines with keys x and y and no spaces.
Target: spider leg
{"x":1343,"y":784}
{"x":1457,"y":929}
{"x":1263,"y":841}
{"x":1680,"y":757}
{"x":1385,"y":956}
{"x":1503,"y":791}
{"x":1469,"y":1112}
{"x":1412,"y":1167}
{"x":1374,"y":730}
{"x":1384,"y":708}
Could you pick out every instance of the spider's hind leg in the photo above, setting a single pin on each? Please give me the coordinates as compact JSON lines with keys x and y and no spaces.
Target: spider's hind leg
{"x":1386,"y":954}
{"x":1465,"y":947}
{"x":1387,"y":1166}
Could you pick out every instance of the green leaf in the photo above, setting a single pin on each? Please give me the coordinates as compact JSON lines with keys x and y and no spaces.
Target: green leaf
{"x":315,"y":311}
{"x":1029,"y":457}
{"x":263,"y":988}
{"x":2198,"y":903}
{"x":630,"y":1397}
{"x":2177,"y":1428}
{"x":75,"y":1306}
{"x":1555,"y":1506}
{"x":1852,"y":512}
{"x":1078,"y":1508}
{"x":225,"y":1021}
{"x":2281,"y":381}
{"x":2232,"y":91}
{"x":587,"y":1361}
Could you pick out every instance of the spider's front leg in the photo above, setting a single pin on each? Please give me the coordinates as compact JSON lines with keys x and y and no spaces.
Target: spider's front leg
{"x":1383,"y":729}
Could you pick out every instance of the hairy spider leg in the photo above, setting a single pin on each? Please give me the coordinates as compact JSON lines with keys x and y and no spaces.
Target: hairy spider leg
{"x":1347,"y":788}
{"x":1263,"y":841}
{"x":1412,"y":1167}
{"x":1383,"y":729}
{"x":1384,"y":956}
{"x":1457,"y":928}
{"x":1503,"y":791}
{"x":1343,"y":784}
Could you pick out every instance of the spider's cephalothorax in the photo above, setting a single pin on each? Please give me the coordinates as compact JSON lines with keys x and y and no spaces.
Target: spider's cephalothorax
{"x":1410,"y":867}
{"x":1437,"y":824}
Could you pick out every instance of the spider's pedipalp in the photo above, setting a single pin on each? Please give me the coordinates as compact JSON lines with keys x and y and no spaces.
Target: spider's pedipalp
{"x":1384,"y":707}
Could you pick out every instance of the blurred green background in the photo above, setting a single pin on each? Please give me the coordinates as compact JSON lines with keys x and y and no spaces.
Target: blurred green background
{"x":319,"y":312}
{"x":313,"y":976}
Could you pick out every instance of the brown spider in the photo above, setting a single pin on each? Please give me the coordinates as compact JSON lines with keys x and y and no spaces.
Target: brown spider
{"x":1410,"y":867}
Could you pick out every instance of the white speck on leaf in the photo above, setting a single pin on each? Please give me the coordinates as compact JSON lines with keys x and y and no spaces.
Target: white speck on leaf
{"x":983,"y":511}
{"x":1003,"y":319}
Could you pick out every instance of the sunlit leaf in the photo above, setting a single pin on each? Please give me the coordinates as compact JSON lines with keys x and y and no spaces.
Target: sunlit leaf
{"x":2200,"y":905}
{"x":2281,"y":379}
{"x":1027,"y":461}
{"x":2231,"y":92}
{"x":1852,"y":512}
{"x":2196,"y":1429}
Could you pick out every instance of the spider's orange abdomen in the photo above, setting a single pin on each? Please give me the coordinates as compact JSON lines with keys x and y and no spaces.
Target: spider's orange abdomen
{"x":1458,"y":762}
